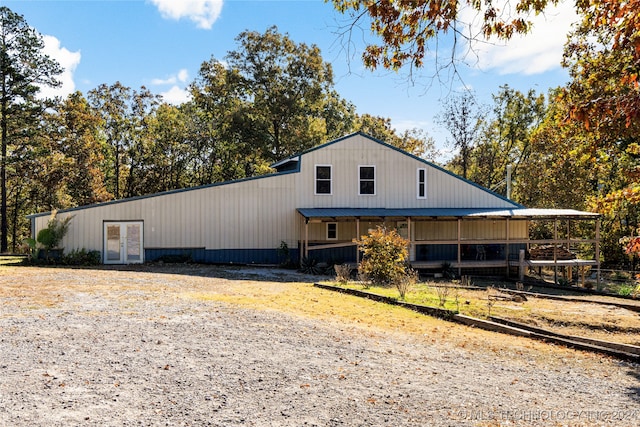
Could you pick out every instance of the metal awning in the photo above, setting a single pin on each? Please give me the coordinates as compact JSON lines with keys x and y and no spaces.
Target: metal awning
{"x":524,"y":213}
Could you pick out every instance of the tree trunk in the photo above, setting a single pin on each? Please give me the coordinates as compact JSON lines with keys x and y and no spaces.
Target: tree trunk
{"x":14,"y":221}
{"x":4,"y":241}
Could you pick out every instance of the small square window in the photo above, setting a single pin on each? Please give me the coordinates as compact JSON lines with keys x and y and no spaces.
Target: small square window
{"x":332,"y":231}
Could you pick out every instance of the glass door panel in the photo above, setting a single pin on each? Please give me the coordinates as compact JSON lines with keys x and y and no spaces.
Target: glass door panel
{"x":134,"y":243}
{"x":113,"y":248}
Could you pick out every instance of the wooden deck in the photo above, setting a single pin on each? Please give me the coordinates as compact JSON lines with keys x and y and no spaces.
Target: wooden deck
{"x":429,"y":265}
{"x":552,"y":263}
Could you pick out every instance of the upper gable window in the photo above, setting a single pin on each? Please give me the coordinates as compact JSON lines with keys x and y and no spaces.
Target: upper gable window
{"x":323,"y":179}
{"x":421,"y":182}
{"x":367,"y":180}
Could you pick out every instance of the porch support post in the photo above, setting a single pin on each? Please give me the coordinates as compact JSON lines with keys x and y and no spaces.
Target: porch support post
{"x":459,"y":246}
{"x":569,"y":267}
{"x":409,"y":236}
{"x":357,"y":238}
{"x":506,"y":250}
{"x":306,"y":237}
{"x":300,"y":239}
{"x":598,"y":252}
{"x":555,"y":250}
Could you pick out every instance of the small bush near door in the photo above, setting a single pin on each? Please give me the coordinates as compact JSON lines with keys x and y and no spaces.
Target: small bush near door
{"x":82,"y":257}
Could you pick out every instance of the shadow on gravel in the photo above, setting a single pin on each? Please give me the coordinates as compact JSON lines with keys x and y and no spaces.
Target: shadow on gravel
{"x":634,"y":392}
{"x":231,"y":272}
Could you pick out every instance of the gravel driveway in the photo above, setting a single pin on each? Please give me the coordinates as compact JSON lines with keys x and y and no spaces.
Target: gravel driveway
{"x":73,"y":353}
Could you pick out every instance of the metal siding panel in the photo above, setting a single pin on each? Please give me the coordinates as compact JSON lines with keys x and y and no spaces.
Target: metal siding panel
{"x":518,"y":229}
{"x":435,"y":230}
{"x":395,"y":180}
{"x":484,"y":229}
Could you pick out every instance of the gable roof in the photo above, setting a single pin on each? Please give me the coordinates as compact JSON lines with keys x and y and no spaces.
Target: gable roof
{"x":297,"y":158}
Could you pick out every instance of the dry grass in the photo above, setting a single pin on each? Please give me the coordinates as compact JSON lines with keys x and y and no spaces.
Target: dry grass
{"x":37,"y":288}
{"x":605,"y":322}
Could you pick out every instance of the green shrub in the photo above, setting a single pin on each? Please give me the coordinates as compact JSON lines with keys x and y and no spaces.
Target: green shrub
{"x":384,"y":256}
{"x":284,"y":255}
{"x":51,"y":236}
{"x":31,"y":247}
{"x":82,"y":257}
{"x":47,"y":238}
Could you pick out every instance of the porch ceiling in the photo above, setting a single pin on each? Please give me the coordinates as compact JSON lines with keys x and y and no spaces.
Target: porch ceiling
{"x":446,"y":213}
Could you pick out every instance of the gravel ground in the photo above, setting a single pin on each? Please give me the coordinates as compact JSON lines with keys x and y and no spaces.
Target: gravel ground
{"x":130,"y":358}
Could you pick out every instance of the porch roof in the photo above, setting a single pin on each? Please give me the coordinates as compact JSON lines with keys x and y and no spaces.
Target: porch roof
{"x":523,"y":213}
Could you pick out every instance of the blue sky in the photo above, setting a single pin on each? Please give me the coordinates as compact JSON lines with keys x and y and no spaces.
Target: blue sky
{"x":161,"y":43}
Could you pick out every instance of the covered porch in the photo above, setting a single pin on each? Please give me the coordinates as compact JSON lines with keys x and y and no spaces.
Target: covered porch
{"x":467,"y":239}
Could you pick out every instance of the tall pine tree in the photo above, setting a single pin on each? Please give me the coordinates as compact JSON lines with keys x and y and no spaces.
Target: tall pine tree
{"x":23,"y":68}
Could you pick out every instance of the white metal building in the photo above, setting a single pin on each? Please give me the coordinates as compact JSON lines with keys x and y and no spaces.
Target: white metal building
{"x":317,"y":203}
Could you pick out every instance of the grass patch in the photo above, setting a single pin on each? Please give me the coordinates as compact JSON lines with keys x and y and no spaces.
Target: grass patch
{"x":11,"y":260}
{"x":597,"y":321}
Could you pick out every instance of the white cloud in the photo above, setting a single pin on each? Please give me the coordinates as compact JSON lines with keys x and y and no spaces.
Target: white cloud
{"x":67,"y":60}
{"x":183,"y":75}
{"x":403,"y":125}
{"x":535,"y":53}
{"x":203,"y":12}
{"x":169,"y":81}
{"x":176,"y":96}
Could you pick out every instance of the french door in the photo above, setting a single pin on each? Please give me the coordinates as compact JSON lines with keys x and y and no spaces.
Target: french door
{"x":123,"y":242}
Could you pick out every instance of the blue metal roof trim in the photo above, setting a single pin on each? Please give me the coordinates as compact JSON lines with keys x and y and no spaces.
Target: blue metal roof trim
{"x":443,"y":212}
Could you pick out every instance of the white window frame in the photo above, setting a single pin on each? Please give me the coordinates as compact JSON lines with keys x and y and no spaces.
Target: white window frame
{"x":327,"y":234}
{"x":375,"y":186}
{"x":315,"y":180}
{"x":423,"y":183}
